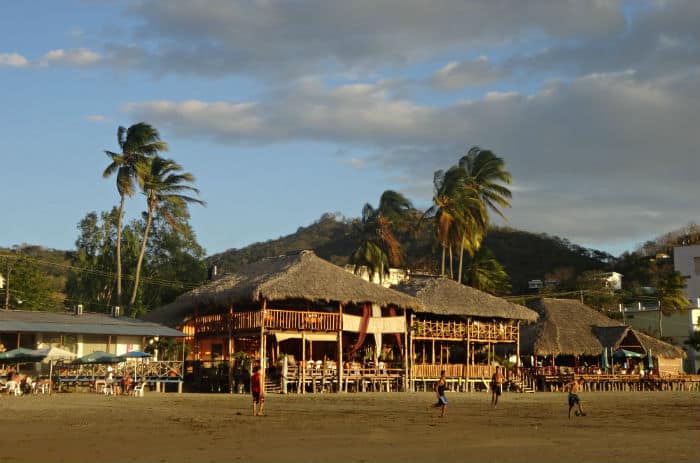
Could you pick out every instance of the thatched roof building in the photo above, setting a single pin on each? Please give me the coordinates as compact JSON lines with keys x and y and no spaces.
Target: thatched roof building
{"x":443,"y":296}
{"x":568,"y":327}
{"x":302,"y":276}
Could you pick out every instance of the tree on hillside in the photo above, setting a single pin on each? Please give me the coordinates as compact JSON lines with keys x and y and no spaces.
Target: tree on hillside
{"x":137,"y":143}
{"x":485,"y":273}
{"x":379,"y":247}
{"x":164,"y":185}
{"x":26,"y":287}
{"x":486,"y":174}
{"x":671,"y":293}
{"x":458,"y":213}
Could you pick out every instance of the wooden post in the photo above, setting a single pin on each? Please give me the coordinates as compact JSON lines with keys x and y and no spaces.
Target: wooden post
{"x":230,"y":348}
{"x":468,"y":352}
{"x":262,"y":345}
{"x":406,"y":369}
{"x":340,"y":348}
{"x":302,"y":367}
{"x":517,"y":347}
{"x":109,"y":343}
{"x":433,"y":356}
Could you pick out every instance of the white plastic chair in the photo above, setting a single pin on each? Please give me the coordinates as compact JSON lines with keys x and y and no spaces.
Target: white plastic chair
{"x":137,"y":391}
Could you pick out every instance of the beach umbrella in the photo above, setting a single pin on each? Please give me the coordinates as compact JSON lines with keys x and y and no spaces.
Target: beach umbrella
{"x":650,"y":361}
{"x":21,"y":355}
{"x":98,"y":357}
{"x":604,"y":364}
{"x":622,"y":353}
{"x":136,"y":354}
{"x":52,"y":354}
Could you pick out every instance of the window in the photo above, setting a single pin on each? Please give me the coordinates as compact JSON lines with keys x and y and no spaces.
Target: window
{"x":696,"y":261}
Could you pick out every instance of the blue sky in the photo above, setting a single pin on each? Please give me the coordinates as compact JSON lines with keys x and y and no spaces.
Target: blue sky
{"x":286,"y":110}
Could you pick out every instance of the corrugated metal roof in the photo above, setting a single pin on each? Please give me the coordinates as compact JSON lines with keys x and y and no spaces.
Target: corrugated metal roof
{"x":20,"y":321}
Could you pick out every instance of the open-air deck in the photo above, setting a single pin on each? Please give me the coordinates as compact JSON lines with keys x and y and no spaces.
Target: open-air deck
{"x":459,"y":331}
{"x":271,"y":319}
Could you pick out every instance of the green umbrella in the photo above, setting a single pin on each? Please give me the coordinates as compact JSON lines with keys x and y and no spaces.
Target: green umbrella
{"x":627,"y":353}
{"x":98,"y":357}
{"x":22,"y":355}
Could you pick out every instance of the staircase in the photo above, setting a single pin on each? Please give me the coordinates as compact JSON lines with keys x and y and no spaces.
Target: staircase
{"x":521,"y":386}
{"x":272,"y":386}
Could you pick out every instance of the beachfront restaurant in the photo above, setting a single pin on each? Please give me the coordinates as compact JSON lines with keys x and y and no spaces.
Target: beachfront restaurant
{"x":311,"y":324}
{"x":458,"y":331}
{"x":81,"y":333}
{"x":571,"y":339}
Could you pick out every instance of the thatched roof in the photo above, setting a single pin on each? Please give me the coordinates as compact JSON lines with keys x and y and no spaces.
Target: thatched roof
{"x":303,"y":276}
{"x":443,"y":296}
{"x":568,"y":327}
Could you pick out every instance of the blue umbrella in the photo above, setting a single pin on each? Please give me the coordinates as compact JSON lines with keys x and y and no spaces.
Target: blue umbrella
{"x":22,"y":355}
{"x":136,"y":354}
{"x":98,"y":357}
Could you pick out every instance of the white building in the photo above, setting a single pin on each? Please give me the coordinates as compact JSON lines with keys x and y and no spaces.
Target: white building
{"x":613,"y":280}
{"x":396,"y":275}
{"x":686,"y":260}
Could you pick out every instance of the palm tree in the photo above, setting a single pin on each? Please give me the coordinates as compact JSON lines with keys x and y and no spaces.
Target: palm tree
{"x":163,"y":185}
{"x":380,"y":247}
{"x":485,"y":173}
{"x":137,"y":143}
{"x":671,"y":292}
{"x":459,"y":213}
{"x":486,"y":273}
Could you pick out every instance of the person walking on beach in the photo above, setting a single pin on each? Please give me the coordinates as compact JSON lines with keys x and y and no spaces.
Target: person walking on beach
{"x":574,"y":387}
{"x":440,"y":391}
{"x":496,"y":386}
{"x":257,"y":391}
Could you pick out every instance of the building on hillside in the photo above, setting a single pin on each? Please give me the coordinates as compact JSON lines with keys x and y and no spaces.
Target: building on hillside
{"x":572,"y":335}
{"x":613,"y":280}
{"x":395,"y":276}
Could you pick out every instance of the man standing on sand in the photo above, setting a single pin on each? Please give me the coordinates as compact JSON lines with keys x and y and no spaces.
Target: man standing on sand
{"x":257,"y":391}
{"x":496,"y":386}
{"x":574,"y":387}
{"x":440,"y":391}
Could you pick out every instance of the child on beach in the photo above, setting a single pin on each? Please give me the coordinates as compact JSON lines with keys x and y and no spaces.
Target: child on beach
{"x":574,"y":387}
{"x":257,"y":391}
{"x":440,"y":391}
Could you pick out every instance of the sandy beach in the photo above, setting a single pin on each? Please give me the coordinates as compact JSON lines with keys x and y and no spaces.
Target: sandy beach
{"x":619,"y":427}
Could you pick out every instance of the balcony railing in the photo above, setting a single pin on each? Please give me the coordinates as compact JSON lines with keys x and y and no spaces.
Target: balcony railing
{"x":477,"y":330}
{"x":276,"y":319}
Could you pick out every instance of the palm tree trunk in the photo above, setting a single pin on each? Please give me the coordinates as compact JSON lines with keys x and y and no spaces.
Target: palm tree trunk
{"x":461,"y":258}
{"x":119,"y":250}
{"x":661,"y":328}
{"x":452,"y":273}
{"x":149,"y":220}
{"x":442,"y":269}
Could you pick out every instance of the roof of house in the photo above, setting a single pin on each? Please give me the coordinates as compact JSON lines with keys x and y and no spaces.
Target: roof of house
{"x":443,"y":296}
{"x":302,"y":275}
{"x":23,"y":321}
{"x":569,"y":327}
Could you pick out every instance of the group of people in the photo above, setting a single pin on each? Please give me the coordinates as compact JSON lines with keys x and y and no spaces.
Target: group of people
{"x":496,"y":386}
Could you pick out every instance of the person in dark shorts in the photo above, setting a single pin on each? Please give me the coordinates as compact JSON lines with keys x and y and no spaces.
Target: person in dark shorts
{"x":257,"y":391}
{"x":440,"y":391}
{"x":496,"y":386}
{"x":574,"y":387}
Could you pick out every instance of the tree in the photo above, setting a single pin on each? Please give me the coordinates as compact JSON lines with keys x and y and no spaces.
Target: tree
{"x":379,"y":247}
{"x":163,"y":184}
{"x":671,"y":293}
{"x":485,"y":273}
{"x":486,"y":174}
{"x":137,"y":143}
{"x":26,"y":286}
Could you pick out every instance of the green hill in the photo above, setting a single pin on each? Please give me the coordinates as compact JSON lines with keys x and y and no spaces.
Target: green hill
{"x":524,"y":255}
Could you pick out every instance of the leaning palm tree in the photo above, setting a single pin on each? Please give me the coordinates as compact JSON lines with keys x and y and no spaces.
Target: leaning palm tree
{"x":137,"y":143}
{"x":163,"y":185}
{"x":458,"y":213}
{"x":485,"y":273}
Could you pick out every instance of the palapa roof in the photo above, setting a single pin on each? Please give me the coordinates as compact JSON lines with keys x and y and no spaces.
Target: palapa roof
{"x":302,"y":275}
{"x":443,"y":296}
{"x":569,"y":327}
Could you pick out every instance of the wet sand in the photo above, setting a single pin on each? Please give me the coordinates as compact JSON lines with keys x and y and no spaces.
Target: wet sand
{"x":82,"y":427}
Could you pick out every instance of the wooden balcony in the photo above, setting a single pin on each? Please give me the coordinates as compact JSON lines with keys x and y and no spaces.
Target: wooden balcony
{"x":452,"y":370}
{"x":274,"y":319}
{"x":458,"y":331}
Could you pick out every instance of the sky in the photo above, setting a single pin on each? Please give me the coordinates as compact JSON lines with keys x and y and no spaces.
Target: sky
{"x":286,"y":110}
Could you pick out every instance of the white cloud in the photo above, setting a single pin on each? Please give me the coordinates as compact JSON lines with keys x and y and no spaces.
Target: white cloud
{"x":97,"y":118}
{"x":355,"y":163}
{"x":13,"y":60}
{"x":77,"y":57}
{"x":457,"y":75}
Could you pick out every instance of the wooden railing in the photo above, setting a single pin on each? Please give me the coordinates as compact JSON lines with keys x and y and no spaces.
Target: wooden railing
{"x":432,"y":370}
{"x":476,"y":330}
{"x":287,"y":319}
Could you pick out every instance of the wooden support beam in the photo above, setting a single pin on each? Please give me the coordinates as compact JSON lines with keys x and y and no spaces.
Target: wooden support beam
{"x":340,"y":348}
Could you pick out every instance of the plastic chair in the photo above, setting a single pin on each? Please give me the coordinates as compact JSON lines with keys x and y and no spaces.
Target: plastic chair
{"x":137,"y":390}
